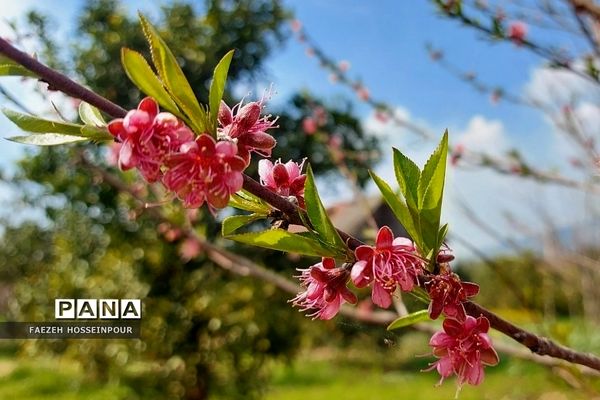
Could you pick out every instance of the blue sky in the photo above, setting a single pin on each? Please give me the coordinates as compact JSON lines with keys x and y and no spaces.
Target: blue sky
{"x":385,"y":43}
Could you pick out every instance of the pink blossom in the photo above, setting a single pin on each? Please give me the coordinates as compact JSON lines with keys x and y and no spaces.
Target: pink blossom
{"x":576,"y":162}
{"x":517,"y":31}
{"x":296,"y":25}
{"x":309,"y":125}
{"x":344,"y":65}
{"x":190,"y":249}
{"x":335,"y":142}
{"x":391,"y":263}
{"x":463,"y":348}
{"x":447,"y":294}
{"x":284,"y":179}
{"x":148,"y":138}
{"x":496,"y":96}
{"x":326,"y":289}
{"x":244,"y":126}
{"x":363,"y":93}
{"x":457,"y":153}
{"x":381,"y":116}
{"x":205,"y":171}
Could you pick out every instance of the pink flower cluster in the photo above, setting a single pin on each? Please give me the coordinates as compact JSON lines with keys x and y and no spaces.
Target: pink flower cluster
{"x":447,"y":293}
{"x":326,"y":289}
{"x":391,"y":263}
{"x":463,"y":348}
{"x":244,"y":126}
{"x":197,"y":169}
{"x":284,"y":179}
{"x":517,"y":31}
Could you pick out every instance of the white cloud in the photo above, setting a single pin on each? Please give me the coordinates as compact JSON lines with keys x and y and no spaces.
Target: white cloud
{"x":551,"y":86}
{"x":483,"y":135}
{"x":490,"y":195}
{"x":588,"y":115}
{"x":377,"y":126}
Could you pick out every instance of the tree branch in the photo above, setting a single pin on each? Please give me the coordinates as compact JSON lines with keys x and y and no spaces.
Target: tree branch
{"x":60,"y":82}
{"x":587,"y":6}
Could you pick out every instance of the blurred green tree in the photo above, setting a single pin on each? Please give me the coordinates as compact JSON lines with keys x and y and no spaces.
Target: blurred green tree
{"x":204,"y":331}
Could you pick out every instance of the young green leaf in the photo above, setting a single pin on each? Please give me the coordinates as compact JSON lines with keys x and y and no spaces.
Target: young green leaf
{"x":317,"y":214}
{"x":30,"y":123}
{"x":10,"y":69}
{"x":235,"y":222}
{"x":217,"y":88}
{"x":173,"y":78}
{"x":90,"y":115}
{"x":95,"y":133}
{"x":33,"y":124}
{"x":142,"y":76}
{"x":407,"y":175}
{"x":442,"y":236}
{"x":244,"y":200}
{"x":279,"y":239}
{"x":408,"y":320}
{"x":47,"y":139}
{"x":430,"y":191}
{"x":400,"y":209}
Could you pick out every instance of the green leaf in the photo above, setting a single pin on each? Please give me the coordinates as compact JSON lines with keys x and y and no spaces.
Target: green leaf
{"x":442,"y":236}
{"x":279,"y":239}
{"x":96,"y":133}
{"x":90,"y":115}
{"x":317,"y":214}
{"x":408,"y":320}
{"x":399,"y":208}
{"x":30,"y":123}
{"x":244,"y":200}
{"x":47,"y":139}
{"x":141,"y":74}
{"x":407,"y":175}
{"x":235,"y":222}
{"x":430,"y":191}
{"x":420,"y":294}
{"x":10,"y":69}
{"x":217,"y":88}
{"x":173,"y":78}
{"x":33,"y":124}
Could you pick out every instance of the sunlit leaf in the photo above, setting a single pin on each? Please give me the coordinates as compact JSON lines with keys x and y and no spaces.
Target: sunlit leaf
{"x":139,"y":72}
{"x":30,"y":123}
{"x":90,"y":115}
{"x":318,"y":214}
{"x":431,"y":190}
{"x":173,"y":78}
{"x":244,"y":200}
{"x":407,"y":175}
{"x":10,"y":69}
{"x":33,"y":124}
{"x":235,"y":222}
{"x":400,"y":209}
{"x":279,"y":239}
{"x":47,"y":139}
{"x":217,"y":88}
{"x":408,"y":320}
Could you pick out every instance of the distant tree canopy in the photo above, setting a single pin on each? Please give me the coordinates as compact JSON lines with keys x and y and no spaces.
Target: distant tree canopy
{"x":204,"y":331}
